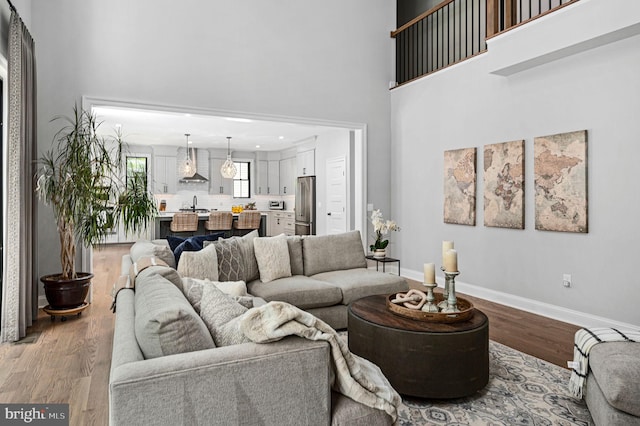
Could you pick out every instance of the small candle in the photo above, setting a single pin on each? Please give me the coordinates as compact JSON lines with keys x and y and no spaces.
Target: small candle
{"x":429,"y":273}
{"x":446,"y":245}
{"x":451,"y":261}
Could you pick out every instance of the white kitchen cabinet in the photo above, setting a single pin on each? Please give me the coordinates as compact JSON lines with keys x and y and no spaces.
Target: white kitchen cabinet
{"x":217,"y":184}
{"x":306,"y":163}
{"x":262,"y":177}
{"x":268,"y":177}
{"x":288,"y":176}
{"x":165,"y":174}
{"x":289,"y":223}
{"x":281,"y":223}
{"x":117,"y":235}
{"x":273,"y":177}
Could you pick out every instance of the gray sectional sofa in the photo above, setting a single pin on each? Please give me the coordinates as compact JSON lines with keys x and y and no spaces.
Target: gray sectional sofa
{"x":166,"y":369}
{"x":612,"y":390}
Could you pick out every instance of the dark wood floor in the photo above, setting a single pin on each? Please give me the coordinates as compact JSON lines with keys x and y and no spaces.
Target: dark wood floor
{"x":69,"y":361}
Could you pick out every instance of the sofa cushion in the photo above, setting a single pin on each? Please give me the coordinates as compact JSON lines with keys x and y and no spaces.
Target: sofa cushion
{"x":221,"y":314}
{"x":295,"y":254}
{"x":202,"y":264}
{"x":272,"y":254}
{"x":195,"y":243}
{"x":361,"y":282}
{"x":616,"y":367}
{"x":165,"y":272}
{"x":165,"y":322}
{"x":230,"y":261}
{"x":332,"y":252}
{"x":298,"y":290}
{"x":144,"y":248}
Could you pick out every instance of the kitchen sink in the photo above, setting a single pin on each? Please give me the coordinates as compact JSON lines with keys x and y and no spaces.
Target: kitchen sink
{"x":195,"y":210}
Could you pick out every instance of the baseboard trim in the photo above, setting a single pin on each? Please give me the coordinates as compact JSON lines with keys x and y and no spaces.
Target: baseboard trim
{"x":548,"y":310}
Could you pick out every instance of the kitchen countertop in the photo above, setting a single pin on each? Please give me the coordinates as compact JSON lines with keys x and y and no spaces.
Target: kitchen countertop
{"x":169,"y":215}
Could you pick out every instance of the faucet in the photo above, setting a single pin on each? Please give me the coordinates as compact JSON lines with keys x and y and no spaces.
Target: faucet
{"x":195,"y":203}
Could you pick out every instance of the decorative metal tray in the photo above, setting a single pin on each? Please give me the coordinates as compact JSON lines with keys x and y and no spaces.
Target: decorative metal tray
{"x":465,"y":307}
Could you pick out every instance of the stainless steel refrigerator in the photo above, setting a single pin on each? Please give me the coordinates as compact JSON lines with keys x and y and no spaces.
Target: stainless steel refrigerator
{"x":306,"y":205}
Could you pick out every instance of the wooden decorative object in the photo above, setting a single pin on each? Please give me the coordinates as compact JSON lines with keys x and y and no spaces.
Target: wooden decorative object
{"x":465,"y":306}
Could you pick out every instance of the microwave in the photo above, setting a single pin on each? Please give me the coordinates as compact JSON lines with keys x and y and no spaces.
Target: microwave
{"x":276,"y":205}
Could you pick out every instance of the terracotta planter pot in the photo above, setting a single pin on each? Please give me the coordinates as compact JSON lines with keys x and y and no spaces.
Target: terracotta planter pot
{"x":66,"y":294}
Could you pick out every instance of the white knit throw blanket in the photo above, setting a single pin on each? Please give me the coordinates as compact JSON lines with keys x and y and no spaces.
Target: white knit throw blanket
{"x":355,"y":377}
{"x":587,"y":338}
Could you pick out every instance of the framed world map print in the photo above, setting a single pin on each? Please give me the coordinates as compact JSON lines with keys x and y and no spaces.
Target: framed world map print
{"x":560,"y":173}
{"x":504,"y":185}
{"x":460,"y":186}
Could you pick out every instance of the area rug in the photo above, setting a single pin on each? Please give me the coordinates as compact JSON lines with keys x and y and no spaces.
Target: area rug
{"x":522,"y":390}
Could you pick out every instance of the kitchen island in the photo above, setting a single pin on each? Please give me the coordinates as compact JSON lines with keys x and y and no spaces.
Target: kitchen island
{"x":163,"y":223}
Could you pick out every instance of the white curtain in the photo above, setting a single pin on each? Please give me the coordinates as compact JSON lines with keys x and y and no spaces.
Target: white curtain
{"x":19,"y":283}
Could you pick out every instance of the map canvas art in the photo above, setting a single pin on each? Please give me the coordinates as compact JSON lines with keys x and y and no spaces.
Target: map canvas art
{"x":504,"y":185}
{"x":460,"y":186}
{"x":560,"y":171}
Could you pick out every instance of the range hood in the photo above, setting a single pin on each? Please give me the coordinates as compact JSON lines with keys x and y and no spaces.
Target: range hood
{"x":197,"y":177}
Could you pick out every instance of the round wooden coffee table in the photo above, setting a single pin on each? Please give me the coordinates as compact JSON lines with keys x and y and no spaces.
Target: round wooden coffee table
{"x":423,"y":359}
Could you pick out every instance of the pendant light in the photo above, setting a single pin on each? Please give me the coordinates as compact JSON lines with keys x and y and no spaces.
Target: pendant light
{"x":228,"y":169}
{"x":188,"y":167}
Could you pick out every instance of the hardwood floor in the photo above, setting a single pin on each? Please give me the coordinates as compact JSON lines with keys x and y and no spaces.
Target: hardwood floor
{"x":70,"y":361}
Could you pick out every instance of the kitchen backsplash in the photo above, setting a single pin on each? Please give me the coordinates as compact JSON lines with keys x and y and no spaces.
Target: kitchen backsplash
{"x":184,"y":199}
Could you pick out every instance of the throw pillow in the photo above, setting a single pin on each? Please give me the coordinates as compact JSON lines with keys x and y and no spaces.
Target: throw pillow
{"x":222,"y":316}
{"x":195,"y":243}
{"x":248,"y":254}
{"x":145,"y":248}
{"x":199,"y":264}
{"x":230,"y":262}
{"x":272,"y":254}
{"x":237,"y":290}
{"x":251,"y":272}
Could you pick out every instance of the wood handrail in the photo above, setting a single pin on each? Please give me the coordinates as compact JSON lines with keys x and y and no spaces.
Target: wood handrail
{"x":526,"y":21}
{"x":420,"y":17}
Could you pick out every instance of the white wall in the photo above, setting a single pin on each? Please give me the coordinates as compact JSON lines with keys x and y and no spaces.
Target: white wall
{"x":326,"y":60}
{"x":597,"y":89}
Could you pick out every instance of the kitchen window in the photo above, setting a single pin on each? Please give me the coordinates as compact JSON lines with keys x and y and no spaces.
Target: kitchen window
{"x":241,"y":181}
{"x":136,"y":171}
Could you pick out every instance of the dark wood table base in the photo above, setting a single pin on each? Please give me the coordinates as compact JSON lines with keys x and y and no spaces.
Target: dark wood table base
{"x":423,"y":359}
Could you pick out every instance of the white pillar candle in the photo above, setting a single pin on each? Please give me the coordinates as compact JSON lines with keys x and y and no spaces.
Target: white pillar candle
{"x":429,"y":273}
{"x":451,"y":261}
{"x":446,"y":245}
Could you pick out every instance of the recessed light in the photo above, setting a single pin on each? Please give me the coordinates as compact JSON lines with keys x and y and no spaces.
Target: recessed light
{"x":281,"y":137}
{"x":239,"y":120}
{"x":257,"y":146}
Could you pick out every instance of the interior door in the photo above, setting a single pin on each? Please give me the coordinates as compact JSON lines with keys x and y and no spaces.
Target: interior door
{"x":336,"y":200}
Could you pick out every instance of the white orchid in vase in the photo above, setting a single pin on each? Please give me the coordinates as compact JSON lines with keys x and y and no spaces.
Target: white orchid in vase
{"x":381,"y":227}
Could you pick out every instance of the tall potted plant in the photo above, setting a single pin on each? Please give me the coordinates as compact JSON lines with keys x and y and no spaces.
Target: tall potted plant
{"x":81,"y":179}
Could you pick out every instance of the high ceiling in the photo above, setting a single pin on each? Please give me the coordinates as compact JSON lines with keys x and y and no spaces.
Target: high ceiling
{"x":148,"y":127}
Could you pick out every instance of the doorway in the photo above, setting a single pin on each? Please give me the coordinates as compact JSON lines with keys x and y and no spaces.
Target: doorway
{"x":336,"y":195}
{"x":355,"y":215}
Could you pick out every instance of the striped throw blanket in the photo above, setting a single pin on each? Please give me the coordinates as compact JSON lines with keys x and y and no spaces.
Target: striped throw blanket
{"x":587,"y":338}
